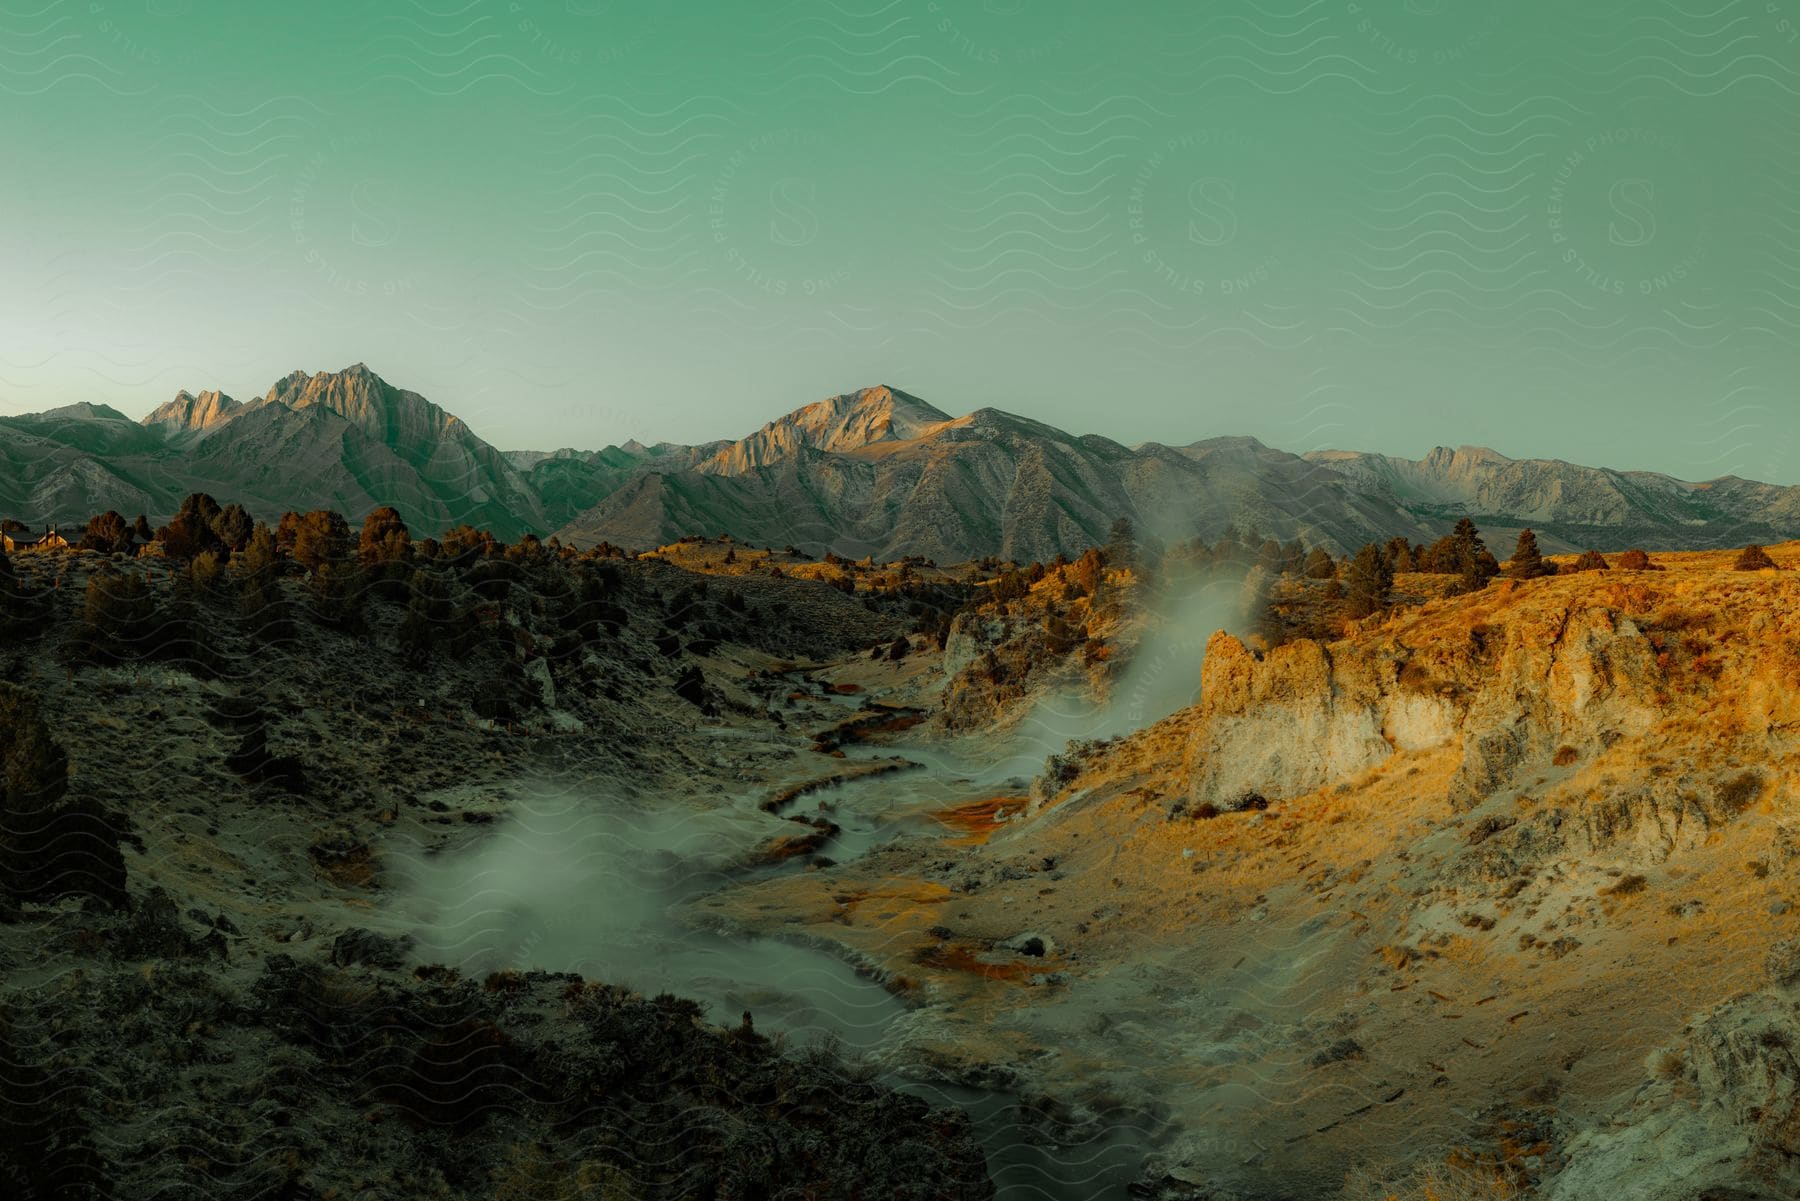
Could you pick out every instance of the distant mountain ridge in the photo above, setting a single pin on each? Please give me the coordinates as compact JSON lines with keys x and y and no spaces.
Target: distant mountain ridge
{"x":875,"y":471}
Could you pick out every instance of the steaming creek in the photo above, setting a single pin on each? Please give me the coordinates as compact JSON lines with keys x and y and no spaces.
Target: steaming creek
{"x":523,"y":896}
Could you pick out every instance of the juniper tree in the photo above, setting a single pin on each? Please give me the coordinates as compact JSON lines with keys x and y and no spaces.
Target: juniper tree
{"x":108,"y":534}
{"x":261,"y":603}
{"x":51,"y":844}
{"x":320,"y":537}
{"x":1754,"y":558}
{"x":385,"y":538}
{"x":233,"y":526}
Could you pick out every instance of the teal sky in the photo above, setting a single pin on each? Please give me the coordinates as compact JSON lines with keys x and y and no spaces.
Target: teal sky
{"x":1559,"y":229}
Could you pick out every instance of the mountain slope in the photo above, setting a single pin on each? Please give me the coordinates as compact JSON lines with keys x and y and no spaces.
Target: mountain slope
{"x":871,"y":472}
{"x":1574,"y":506}
{"x":840,"y":425}
{"x":346,"y":440}
{"x":988,"y":483}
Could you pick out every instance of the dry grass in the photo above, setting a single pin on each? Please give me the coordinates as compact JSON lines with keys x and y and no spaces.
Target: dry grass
{"x":1432,"y":1182}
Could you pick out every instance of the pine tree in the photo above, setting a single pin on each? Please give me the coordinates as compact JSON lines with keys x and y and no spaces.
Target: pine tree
{"x":1475,"y":565}
{"x":1400,"y":554}
{"x":1370,"y":582}
{"x":1319,"y":564}
{"x":1527,"y":562}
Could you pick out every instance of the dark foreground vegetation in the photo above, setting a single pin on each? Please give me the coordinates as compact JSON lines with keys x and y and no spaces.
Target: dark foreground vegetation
{"x":204,"y":739}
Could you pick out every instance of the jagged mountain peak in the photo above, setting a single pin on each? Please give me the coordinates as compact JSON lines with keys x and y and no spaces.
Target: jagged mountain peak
{"x":191,"y":413}
{"x":365,"y":399}
{"x":838,"y":424}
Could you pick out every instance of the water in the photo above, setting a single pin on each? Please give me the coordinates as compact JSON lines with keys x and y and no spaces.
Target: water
{"x":577,"y":882}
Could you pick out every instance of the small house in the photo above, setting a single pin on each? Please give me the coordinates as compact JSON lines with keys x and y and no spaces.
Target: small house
{"x":26,"y":540}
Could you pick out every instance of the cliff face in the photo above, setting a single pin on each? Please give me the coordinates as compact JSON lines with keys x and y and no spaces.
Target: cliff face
{"x":1512,"y":683}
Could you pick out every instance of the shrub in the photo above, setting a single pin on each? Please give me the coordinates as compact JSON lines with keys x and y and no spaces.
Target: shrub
{"x":51,"y":845}
{"x":337,"y":593}
{"x":1636,"y":560}
{"x":17,"y":606}
{"x":1754,"y":558}
{"x":116,"y":612}
{"x":1625,"y":886}
{"x":1591,"y":560}
{"x":428,"y":616}
{"x":900,"y":649}
{"x":47,"y":1147}
{"x":206,"y":574}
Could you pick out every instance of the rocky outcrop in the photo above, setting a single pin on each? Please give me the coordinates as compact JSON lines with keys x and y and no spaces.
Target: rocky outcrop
{"x":190,"y":414}
{"x":1718,"y":1114}
{"x":1510,"y":695}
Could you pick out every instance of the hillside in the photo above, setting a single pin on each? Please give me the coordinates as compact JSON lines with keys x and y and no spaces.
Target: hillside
{"x":1501,"y":884}
{"x":221,"y":937}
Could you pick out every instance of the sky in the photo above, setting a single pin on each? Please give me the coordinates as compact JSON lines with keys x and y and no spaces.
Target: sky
{"x":1558,"y":229}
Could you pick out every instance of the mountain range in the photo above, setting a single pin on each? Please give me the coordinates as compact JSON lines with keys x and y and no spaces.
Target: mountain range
{"x":873,"y":472}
